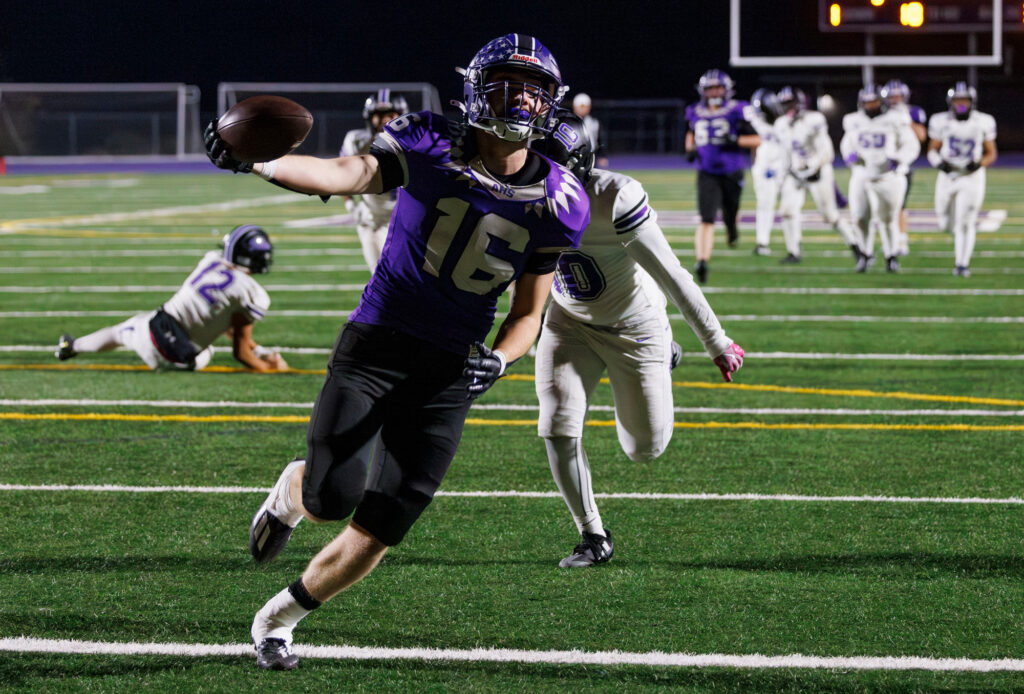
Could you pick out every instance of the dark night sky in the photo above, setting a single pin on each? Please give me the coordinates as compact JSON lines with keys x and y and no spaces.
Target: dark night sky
{"x":612,"y":49}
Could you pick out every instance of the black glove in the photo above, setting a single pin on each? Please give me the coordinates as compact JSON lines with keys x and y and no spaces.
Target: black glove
{"x":973,"y":166}
{"x":945,"y":166}
{"x":218,"y":153}
{"x":691,"y":155}
{"x":814,"y":177}
{"x":484,"y":369}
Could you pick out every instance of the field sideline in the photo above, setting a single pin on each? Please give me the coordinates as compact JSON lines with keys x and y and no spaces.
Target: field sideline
{"x":846,"y":516}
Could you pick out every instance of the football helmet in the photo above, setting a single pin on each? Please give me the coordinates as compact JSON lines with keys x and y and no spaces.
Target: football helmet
{"x":249,"y":246}
{"x":766,"y":103}
{"x":514,"y":111}
{"x":961,"y":90}
{"x":568,"y":144}
{"x":894,"y":88}
{"x":383,"y":101}
{"x":714,"y":78}
{"x":870,"y":95}
{"x":792,"y":100}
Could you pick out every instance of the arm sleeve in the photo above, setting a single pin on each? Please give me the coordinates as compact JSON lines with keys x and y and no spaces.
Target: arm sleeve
{"x":847,"y":145}
{"x":823,"y":146}
{"x":652,"y":252}
{"x":910,"y":146}
{"x":393,"y":173}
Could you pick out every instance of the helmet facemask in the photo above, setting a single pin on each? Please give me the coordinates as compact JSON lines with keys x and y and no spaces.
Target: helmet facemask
{"x":515,"y":110}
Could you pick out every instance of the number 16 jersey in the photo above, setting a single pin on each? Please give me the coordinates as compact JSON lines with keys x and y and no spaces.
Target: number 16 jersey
{"x":459,"y":235}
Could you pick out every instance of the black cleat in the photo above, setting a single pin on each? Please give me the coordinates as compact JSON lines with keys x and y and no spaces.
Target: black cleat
{"x":732,"y":238}
{"x":962,"y":271}
{"x":268,"y":534}
{"x":274,"y":654}
{"x":64,"y":348}
{"x":761,"y":249}
{"x":864,"y":262}
{"x":790,"y":259}
{"x":592,"y":549}
{"x":892,"y":264}
{"x":701,"y":270}
{"x":677,"y":355}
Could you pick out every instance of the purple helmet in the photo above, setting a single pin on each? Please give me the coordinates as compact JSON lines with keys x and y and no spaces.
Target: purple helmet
{"x":961,"y":90}
{"x":569,"y":145}
{"x":715,"y":78}
{"x":521,"y":120}
{"x":895,"y":88}
{"x":792,"y":99}
{"x":383,"y":101}
{"x":867,"y":95}
{"x":249,"y":246}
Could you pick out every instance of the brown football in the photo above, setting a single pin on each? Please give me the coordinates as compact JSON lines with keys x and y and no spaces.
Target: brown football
{"x":264,"y":127}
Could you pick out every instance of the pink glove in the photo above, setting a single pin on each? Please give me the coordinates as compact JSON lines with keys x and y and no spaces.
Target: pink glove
{"x":730,"y":361}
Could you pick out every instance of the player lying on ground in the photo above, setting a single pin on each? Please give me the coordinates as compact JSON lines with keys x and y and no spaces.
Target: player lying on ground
{"x":608,"y":314}
{"x":220,"y":297}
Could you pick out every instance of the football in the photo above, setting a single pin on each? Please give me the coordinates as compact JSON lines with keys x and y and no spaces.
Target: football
{"x":265,"y":127}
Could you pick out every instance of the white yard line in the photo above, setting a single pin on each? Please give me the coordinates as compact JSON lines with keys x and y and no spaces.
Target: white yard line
{"x":754,"y":661}
{"x":794,"y":411}
{"x":502,"y":494}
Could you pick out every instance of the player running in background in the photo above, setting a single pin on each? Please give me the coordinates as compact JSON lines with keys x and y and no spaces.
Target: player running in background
{"x":373,"y":212}
{"x":478,"y":210}
{"x":962,"y":145}
{"x":608,"y":314}
{"x":804,"y":135}
{"x":219,"y":297}
{"x":770,"y":166}
{"x":717,"y":136}
{"x":896,"y":95}
{"x":879,"y":145}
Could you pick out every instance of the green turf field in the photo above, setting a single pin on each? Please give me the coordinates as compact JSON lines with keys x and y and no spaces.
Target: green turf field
{"x":855,"y":495}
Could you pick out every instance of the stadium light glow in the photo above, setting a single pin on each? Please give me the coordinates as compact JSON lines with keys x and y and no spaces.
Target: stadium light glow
{"x":877,"y":3}
{"x":911,"y":14}
{"x":835,"y":15}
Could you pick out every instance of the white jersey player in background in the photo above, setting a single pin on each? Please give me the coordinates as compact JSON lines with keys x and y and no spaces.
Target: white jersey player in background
{"x":219,"y":297}
{"x":896,"y":95}
{"x":770,"y":167}
{"x":804,"y":135}
{"x":373,"y":212}
{"x":608,"y":313}
{"x":879,"y":145}
{"x":962,"y":144}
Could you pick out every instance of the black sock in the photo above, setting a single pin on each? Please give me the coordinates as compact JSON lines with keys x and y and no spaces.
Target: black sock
{"x":302,"y":595}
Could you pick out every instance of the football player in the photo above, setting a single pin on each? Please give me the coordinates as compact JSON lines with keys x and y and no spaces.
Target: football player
{"x":717,"y":135}
{"x":897,"y":97}
{"x":962,"y":145}
{"x":581,"y":106}
{"x":804,"y":135}
{"x":373,"y":212}
{"x":879,"y":145}
{"x":220,"y":297}
{"x":770,"y":164}
{"x":478,"y":210}
{"x":608,"y":314}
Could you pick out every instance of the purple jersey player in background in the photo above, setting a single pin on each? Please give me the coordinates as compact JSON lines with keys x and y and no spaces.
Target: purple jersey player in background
{"x":896,"y":95}
{"x":719,"y":137}
{"x":476,"y":210}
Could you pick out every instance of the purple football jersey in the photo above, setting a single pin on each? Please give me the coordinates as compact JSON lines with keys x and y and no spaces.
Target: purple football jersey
{"x":458,"y":235}
{"x":917,"y":114}
{"x":715,"y":132}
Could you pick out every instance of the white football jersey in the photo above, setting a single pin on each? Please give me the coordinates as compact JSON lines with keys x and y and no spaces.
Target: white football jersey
{"x":806,"y":140}
{"x":211,"y":295}
{"x":770,"y":155}
{"x":379,"y":206}
{"x":879,"y":140}
{"x":624,"y":263}
{"x":961,"y":139}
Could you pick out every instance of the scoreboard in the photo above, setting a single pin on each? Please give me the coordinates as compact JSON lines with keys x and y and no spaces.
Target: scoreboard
{"x":913,"y":16}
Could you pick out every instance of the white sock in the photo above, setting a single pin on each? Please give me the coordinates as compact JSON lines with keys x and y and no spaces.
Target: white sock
{"x":571,"y":470}
{"x":278,"y":617}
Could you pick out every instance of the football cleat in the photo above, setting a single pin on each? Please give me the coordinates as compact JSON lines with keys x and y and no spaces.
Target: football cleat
{"x":701,"y":270}
{"x":761,"y":249}
{"x":892,"y":264}
{"x":732,"y":238}
{"x":592,"y":549}
{"x":64,"y":348}
{"x":857,"y":253}
{"x":274,"y":654}
{"x":864,"y":262}
{"x":790,"y":259}
{"x":677,"y":355}
{"x":268,"y":533}
{"x":962,"y":271}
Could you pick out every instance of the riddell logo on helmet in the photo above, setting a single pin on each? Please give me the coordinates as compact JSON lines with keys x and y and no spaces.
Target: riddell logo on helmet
{"x":524,"y":58}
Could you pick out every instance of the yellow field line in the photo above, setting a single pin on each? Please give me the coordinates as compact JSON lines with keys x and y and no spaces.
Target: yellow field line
{"x":300,"y":419}
{"x":851,"y":393}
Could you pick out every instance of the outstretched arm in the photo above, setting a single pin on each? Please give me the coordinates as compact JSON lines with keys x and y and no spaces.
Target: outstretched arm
{"x":246,"y":351}
{"x":338,"y":176}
